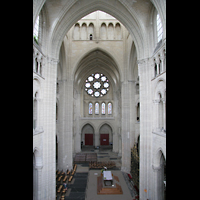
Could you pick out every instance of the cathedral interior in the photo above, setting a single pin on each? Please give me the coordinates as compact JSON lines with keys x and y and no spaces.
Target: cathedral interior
{"x":99,"y":96}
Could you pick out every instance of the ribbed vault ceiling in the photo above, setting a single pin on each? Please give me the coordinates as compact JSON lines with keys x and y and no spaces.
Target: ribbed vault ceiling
{"x":97,"y":61}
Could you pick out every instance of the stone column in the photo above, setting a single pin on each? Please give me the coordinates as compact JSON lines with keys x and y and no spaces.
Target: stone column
{"x":120,"y":145}
{"x":125,"y":128}
{"x":39,"y":66}
{"x":162,"y":64}
{"x":145,"y":173}
{"x":65,"y":147}
{"x":39,"y":182}
{"x":157,"y":64}
{"x":49,"y":125}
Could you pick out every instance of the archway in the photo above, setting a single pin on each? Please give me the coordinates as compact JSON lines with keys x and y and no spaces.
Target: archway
{"x":106,"y":136}
{"x":67,"y":19}
{"x":87,"y":135}
{"x":160,"y":176}
{"x":57,"y":28}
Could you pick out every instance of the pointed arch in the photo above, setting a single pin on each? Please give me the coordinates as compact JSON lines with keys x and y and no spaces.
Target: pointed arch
{"x":69,"y":17}
{"x":106,"y":63}
{"x":158,"y":154}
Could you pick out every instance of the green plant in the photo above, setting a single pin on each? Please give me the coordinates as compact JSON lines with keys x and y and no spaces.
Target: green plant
{"x":35,"y":39}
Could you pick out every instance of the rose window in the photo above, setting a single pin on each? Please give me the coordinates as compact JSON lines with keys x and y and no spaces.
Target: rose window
{"x":97,"y":85}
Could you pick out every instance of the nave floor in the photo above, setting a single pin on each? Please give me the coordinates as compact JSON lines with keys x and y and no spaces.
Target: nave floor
{"x":84,"y":183}
{"x":84,"y":186}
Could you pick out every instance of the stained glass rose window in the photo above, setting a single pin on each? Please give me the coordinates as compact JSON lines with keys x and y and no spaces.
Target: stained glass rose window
{"x":97,"y":85}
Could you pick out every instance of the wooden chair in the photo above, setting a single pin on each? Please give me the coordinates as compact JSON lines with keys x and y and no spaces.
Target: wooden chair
{"x":70,"y":178}
{"x":59,"y":189}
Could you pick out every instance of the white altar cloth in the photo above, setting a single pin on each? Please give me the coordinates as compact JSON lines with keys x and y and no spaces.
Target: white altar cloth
{"x":107,"y":175}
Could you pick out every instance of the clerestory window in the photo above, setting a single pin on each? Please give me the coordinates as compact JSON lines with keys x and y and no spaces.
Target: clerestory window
{"x":159,"y":28}
{"x":36,"y":29}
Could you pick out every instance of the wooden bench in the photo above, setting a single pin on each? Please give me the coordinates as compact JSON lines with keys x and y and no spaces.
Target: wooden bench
{"x":70,"y":178}
{"x":72,"y":174}
{"x":65,"y":178}
{"x":59,"y":179}
{"x":59,"y":189}
{"x":75,"y":166}
{"x":64,"y":190}
{"x":63,"y":173}
{"x":68,"y":172}
{"x":62,"y":197}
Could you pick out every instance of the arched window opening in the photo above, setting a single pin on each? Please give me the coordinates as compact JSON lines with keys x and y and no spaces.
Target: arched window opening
{"x":34,"y":113}
{"x":110,"y":108}
{"x":91,"y":31}
{"x":57,"y":88}
{"x":90,"y":108}
{"x":110,"y":31}
{"x":36,"y":30}
{"x":40,"y":68}
{"x":84,"y":31}
{"x":36,"y":65}
{"x":103,"y":31}
{"x":137,"y":88}
{"x":155,"y":70}
{"x":160,"y":66}
{"x":76,"y":32}
{"x":96,"y":108}
{"x":162,"y":179}
{"x":103,"y":108}
{"x":138,"y":112}
{"x":159,"y":28}
{"x":118,"y":35}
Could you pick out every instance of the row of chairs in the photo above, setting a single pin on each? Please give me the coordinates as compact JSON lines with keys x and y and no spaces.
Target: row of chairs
{"x":100,"y":165}
{"x":60,"y":172}
{"x":72,"y":172}
{"x":61,"y":176}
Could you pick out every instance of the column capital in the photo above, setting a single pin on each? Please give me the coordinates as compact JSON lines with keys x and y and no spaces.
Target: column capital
{"x":163,"y":100}
{"x":142,"y":61}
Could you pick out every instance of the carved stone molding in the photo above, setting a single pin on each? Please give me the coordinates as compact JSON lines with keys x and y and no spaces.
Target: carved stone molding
{"x":156,"y":168}
{"x":156,"y":101}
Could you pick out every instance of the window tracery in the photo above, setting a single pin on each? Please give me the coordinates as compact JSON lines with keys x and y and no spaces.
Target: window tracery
{"x":97,"y":85}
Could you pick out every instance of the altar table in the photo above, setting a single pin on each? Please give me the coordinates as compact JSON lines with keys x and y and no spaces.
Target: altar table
{"x":107,"y":178}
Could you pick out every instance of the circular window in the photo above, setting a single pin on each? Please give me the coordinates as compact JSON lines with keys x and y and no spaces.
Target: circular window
{"x":97,"y":85}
